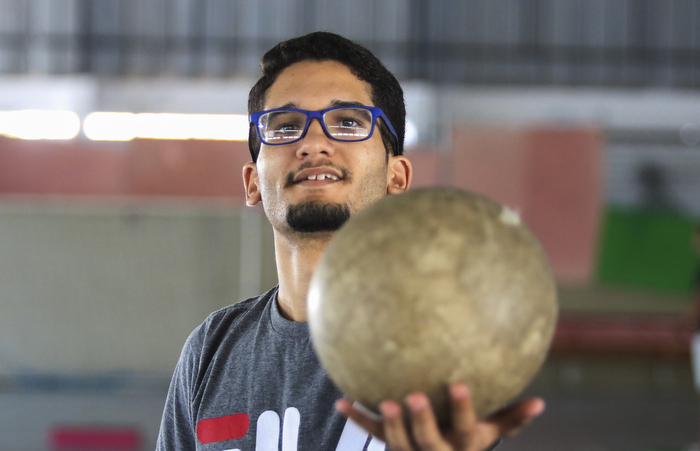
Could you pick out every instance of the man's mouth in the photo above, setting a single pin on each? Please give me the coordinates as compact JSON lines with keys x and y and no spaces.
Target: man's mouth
{"x":318,"y":174}
{"x":321,"y":177}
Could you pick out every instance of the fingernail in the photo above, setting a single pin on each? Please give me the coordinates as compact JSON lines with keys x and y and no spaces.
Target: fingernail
{"x":459,"y":391}
{"x":539,"y":408}
{"x":389,"y":409}
{"x":417,"y":402}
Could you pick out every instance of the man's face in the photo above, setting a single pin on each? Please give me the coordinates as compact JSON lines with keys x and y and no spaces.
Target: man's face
{"x":318,"y":174}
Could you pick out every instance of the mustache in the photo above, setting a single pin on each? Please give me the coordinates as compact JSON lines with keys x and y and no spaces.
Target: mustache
{"x":289,"y":178}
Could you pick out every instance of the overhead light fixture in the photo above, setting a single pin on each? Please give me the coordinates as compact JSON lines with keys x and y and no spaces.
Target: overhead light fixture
{"x":110,"y":126}
{"x":39,"y":124}
{"x":114,"y":126}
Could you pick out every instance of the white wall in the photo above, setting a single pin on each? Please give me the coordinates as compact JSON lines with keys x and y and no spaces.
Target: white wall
{"x":117,"y":288}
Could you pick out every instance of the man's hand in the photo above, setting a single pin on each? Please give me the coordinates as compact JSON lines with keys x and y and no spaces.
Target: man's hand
{"x":467,"y":433}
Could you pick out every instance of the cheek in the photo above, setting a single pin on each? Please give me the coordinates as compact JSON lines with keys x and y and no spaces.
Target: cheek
{"x":374,"y":178}
{"x":373,"y":151}
{"x":266,"y":183}
{"x":268,"y":170}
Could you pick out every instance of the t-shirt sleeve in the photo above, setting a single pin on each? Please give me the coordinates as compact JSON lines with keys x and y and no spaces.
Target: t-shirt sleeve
{"x":177,"y":427}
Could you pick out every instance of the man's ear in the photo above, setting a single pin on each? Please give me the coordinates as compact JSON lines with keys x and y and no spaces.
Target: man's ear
{"x":399,"y":174}
{"x":251,"y":184}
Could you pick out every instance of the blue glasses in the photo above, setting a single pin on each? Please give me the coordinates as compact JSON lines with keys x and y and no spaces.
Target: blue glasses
{"x":341,"y":123}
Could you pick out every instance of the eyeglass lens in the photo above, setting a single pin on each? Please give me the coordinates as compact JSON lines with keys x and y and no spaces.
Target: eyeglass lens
{"x":343,"y":124}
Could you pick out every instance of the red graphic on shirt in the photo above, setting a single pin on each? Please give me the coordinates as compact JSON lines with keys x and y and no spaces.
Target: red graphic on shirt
{"x":223,"y":428}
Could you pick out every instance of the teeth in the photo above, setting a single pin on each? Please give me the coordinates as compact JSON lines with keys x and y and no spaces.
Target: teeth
{"x":323,"y":177}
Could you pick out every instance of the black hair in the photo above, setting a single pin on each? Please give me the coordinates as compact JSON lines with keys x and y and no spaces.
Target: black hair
{"x":324,"y":46}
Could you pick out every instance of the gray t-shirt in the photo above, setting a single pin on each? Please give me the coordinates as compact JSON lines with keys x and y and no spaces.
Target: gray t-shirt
{"x":249,"y":380}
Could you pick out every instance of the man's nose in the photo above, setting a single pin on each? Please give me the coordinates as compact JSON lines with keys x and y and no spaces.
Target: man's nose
{"x":315,"y":141}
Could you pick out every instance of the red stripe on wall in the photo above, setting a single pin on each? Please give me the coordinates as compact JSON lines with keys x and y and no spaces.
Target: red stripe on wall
{"x":631,"y":335}
{"x":94,"y":438}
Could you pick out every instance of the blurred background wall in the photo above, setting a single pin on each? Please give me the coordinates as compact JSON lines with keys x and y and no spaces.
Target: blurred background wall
{"x":582,"y":115}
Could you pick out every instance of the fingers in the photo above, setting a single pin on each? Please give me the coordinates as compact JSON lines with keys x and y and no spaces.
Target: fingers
{"x":372,"y":425}
{"x":424,"y":426}
{"x":512,"y":419}
{"x":464,"y":418}
{"x":395,"y":434}
{"x":467,"y":433}
{"x":463,"y":413}
{"x":424,"y":433}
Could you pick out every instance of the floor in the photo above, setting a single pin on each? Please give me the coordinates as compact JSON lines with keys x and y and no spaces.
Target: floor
{"x":587,"y":409}
{"x":612,"y":424}
{"x":594,"y":402}
{"x":26,"y":418}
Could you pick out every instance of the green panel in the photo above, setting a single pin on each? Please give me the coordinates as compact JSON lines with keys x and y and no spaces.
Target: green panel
{"x":648,"y":249}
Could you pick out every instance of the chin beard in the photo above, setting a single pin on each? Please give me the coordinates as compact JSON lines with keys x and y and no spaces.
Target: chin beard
{"x":315,"y":216}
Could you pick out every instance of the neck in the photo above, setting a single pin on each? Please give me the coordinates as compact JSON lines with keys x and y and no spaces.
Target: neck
{"x":296,"y":258}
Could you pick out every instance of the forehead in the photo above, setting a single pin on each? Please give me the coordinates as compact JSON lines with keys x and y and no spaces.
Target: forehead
{"x":314,"y":85}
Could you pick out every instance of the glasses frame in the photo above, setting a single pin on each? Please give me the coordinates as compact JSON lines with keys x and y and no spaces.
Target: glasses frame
{"x":376,"y":113}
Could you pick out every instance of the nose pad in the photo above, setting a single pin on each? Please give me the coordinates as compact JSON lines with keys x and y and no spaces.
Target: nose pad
{"x":315,"y":140}
{"x":315,"y":123}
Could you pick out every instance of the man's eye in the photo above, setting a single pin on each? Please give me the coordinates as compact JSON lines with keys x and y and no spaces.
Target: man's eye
{"x":287,"y":128}
{"x":349,"y":122}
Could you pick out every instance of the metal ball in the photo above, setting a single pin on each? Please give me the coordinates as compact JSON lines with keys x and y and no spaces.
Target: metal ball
{"x":431,"y":287}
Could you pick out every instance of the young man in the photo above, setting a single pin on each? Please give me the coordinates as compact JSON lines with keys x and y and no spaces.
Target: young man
{"x":248,"y":378}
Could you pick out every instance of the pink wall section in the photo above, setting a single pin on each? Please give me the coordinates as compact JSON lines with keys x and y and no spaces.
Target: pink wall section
{"x":427,"y":167}
{"x":188,"y":168}
{"x":490,"y":161}
{"x":139,"y":167}
{"x":53,"y":167}
{"x":565,"y":197}
{"x":551,"y":175}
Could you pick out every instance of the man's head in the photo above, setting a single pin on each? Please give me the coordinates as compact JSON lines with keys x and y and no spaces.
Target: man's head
{"x":311,"y":183}
{"x":386,"y":93}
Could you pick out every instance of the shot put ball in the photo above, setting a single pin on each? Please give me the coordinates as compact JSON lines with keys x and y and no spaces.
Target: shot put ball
{"x":431,"y":287}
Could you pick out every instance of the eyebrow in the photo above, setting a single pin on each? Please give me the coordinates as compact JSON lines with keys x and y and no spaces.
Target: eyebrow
{"x":341,"y":103}
{"x":333,"y":103}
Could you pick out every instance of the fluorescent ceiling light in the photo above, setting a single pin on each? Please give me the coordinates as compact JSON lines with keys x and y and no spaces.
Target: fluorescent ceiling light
{"x":121,"y":126}
{"x":110,"y":126}
{"x":106,"y":126}
{"x":38,"y":124}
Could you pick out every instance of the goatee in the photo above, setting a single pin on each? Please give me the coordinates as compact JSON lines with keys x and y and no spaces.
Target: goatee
{"x":315,"y":216}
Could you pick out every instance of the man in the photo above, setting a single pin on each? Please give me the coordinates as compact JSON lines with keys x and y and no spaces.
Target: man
{"x":248,"y":378}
